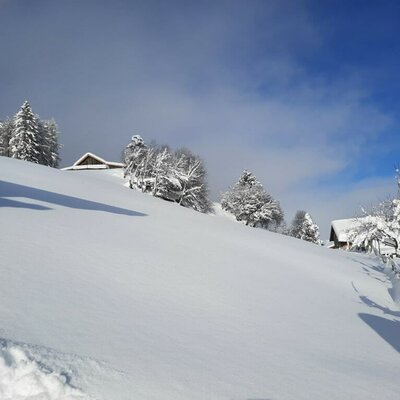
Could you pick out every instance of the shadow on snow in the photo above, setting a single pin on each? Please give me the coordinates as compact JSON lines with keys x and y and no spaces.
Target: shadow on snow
{"x":8,"y":189}
{"x":387,"y":329}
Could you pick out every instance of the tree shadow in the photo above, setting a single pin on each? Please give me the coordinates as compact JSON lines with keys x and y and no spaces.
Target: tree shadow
{"x":372,"y":266}
{"x":368,"y":272}
{"x":19,"y":204}
{"x":387,"y":329}
{"x":370,"y":303}
{"x":8,"y":189}
{"x":385,"y":310}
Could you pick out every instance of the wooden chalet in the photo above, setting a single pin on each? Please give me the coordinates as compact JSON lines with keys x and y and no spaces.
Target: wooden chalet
{"x":339,"y":234}
{"x":92,"y":161}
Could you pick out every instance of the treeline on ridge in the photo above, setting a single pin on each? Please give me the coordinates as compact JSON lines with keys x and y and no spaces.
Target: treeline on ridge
{"x":27,"y":137}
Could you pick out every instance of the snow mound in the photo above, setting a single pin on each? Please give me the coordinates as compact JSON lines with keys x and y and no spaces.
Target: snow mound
{"x":22,"y":378}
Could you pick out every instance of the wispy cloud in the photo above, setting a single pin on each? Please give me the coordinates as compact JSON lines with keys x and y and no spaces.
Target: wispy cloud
{"x":231,"y":80}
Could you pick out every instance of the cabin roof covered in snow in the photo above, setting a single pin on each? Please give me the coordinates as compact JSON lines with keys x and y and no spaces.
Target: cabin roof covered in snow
{"x":102,"y":163}
{"x":341,"y":227}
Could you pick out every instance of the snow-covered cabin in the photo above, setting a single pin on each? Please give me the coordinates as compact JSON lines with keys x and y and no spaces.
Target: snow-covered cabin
{"x":340,"y":232}
{"x":92,"y":161}
{"x":341,"y":239}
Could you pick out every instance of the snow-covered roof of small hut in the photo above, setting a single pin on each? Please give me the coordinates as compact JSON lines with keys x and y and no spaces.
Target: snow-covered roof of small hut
{"x":343,"y":226}
{"x":103,"y":163}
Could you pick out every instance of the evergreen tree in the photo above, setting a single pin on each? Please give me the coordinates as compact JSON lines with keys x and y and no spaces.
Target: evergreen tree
{"x":29,"y":138}
{"x":48,"y":134}
{"x":6,"y":130}
{"x":249,"y":202}
{"x":25,"y":142}
{"x":297,"y":224}
{"x":45,"y":154}
{"x":304,"y":228}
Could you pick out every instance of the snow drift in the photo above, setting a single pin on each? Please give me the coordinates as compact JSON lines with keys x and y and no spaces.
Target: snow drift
{"x":139,"y":298}
{"x":23,"y":378}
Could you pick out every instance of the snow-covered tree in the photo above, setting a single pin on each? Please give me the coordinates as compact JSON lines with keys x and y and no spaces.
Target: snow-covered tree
{"x":6,"y":130}
{"x":249,"y":202}
{"x":304,"y":228}
{"x":27,"y":137}
{"x":378,"y":225}
{"x":297,"y":223}
{"x":375,"y":226}
{"x":178,"y":176}
{"x":163,"y":182}
{"x":51,"y":146}
{"x":135,"y":158}
{"x":190,"y":171}
{"x":25,"y":142}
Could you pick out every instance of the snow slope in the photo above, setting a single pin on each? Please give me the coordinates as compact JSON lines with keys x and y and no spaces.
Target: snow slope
{"x":107,"y":293}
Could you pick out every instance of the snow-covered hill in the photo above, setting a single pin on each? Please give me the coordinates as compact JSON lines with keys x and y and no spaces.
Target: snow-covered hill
{"x":111,"y":294}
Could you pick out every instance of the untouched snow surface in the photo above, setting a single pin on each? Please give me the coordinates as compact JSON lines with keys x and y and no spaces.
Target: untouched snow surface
{"x":106,"y":293}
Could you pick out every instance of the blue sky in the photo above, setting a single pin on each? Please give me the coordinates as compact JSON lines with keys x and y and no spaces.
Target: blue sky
{"x":305,"y":94}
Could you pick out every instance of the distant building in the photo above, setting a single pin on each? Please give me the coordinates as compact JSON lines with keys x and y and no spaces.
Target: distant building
{"x":340,"y":232}
{"x":340,"y":239}
{"x":91,"y":161}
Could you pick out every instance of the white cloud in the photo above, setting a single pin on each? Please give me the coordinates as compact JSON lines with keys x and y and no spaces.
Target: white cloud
{"x":227,"y":80}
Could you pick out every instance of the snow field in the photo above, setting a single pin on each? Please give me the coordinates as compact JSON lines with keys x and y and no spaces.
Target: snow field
{"x":148,"y":300}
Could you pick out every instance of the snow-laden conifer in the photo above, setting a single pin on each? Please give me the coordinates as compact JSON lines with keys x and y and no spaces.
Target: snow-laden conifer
{"x":25,"y":142}
{"x":51,"y":143}
{"x":303,"y":227}
{"x":297,"y":223}
{"x":6,"y":130}
{"x":250,"y":203}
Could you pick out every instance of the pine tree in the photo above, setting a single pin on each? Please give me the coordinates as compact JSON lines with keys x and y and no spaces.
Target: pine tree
{"x":45,"y":153}
{"x":25,"y":143}
{"x":249,"y":202}
{"x":310,"y":231}
{"x":297,"y":224}
{"x":50,"y":143}
{"x":6,"y":130}
{"x":304,"y":228}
